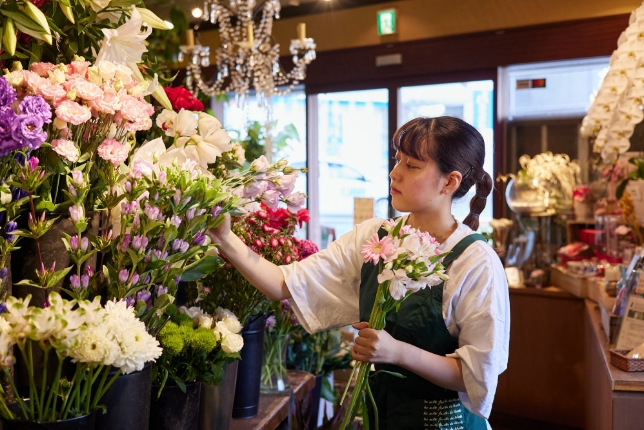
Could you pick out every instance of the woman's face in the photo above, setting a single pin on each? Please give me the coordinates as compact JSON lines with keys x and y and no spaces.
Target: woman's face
{"x":417,"y":185}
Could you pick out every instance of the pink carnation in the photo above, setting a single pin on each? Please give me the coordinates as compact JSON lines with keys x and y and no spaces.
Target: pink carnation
{"x":113,"y":151}
{"x":140,"y":124}
{"x":134,"y":109}
{"x":70,"y":111}
{"x":66,"y":149}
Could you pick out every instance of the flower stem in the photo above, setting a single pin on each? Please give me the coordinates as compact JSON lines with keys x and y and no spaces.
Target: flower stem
{"x":53,"y":392}
{"x":21,"y":403}
{"x":43,"y":384}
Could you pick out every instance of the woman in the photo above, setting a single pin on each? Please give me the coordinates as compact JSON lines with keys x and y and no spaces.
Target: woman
{"x":449,"y":341}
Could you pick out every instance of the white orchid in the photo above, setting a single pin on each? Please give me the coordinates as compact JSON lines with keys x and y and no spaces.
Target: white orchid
{"x":126,"y":43}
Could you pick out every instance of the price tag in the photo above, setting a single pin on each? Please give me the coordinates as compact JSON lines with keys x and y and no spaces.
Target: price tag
{"x":631,"y":331}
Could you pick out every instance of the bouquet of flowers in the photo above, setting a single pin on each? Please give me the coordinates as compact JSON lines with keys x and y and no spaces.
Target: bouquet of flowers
{"x":196,"y":346}
{"x":269,"y":232}
{"x":582,"y":194}
{"x":408,"y":260}
{"x":93,"y":337}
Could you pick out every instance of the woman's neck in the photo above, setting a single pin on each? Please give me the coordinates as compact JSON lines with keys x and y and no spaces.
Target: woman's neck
{"x":439,"y":225}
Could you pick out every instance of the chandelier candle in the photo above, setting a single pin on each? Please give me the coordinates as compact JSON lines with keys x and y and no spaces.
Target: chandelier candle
{"x":301,"y":31}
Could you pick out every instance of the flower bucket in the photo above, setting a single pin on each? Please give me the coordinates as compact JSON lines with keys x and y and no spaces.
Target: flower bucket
{"x":249,"y":370}
{"x":175,"y":409}
{"x":85,"y":422}
{"x":274,"y":373}
{"x":315,"y":402}
{"x":127,"y":401}
{"x":216,"y":405}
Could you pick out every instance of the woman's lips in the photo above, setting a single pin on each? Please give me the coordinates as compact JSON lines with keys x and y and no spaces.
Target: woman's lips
{"x":394,"y":190}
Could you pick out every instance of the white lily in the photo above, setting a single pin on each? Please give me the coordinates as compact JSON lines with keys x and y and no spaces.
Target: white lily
{"x":125,"y":43}
{"x":154,"y":89}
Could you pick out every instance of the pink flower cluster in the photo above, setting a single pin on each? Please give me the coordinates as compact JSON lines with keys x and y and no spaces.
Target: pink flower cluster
{"x":79,"y":92}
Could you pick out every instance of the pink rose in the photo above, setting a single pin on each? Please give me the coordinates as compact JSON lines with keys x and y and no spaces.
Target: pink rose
{"x":80,"y":67}
{"x":113,"y":151}
{"x":70,"y":111}
{"x":87,"y":90}
{"x":42,"y":69}
{"x":66,"y":149}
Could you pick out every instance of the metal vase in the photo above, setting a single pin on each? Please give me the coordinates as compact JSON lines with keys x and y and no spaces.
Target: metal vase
{"x":216,"y":405}
{"x":250,"y":368}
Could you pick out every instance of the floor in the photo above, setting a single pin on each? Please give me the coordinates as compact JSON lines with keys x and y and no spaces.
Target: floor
{"x":509,"y":422}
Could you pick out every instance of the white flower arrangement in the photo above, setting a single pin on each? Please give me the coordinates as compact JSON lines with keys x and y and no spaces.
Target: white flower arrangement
{"x":616,"y":109}
{"x":94,"y":337}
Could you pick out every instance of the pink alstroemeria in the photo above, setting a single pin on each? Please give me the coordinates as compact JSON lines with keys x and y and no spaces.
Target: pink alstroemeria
{"x":376,"y":248}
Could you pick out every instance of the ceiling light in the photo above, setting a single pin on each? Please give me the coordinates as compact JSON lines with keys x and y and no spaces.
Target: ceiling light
{"x":197,"y":12}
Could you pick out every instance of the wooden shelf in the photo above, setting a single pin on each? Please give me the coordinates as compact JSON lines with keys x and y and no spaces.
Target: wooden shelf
{"x":274,"y":408}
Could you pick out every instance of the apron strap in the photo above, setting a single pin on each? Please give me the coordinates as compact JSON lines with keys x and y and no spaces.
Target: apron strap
{"x":460,"y":247}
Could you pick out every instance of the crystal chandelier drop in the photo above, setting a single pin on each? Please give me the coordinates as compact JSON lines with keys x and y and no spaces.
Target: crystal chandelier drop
{"x":248,"y":56}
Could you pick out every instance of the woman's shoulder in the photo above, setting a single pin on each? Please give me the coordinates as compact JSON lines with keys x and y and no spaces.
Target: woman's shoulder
{"x":478,"y":255}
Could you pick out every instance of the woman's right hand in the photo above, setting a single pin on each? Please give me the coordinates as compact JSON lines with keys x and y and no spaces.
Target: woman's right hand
{"x":220,"y":234}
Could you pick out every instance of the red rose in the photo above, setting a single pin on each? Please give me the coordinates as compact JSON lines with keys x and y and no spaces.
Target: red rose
{"x":181,"y":98}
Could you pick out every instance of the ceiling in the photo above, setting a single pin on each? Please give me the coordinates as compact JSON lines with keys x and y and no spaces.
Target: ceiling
{"x":290,"y":8}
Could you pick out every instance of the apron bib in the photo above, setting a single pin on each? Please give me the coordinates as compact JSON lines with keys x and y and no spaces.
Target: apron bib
{"x":413,"y":403}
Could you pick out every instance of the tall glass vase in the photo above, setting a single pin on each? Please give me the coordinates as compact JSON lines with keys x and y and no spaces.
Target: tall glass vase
{"x":274,"y":374}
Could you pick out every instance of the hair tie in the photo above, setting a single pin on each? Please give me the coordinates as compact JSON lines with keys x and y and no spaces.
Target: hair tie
{"x":474,"y":214}
{"x":465,"y":176}
{"x":482,"y":198}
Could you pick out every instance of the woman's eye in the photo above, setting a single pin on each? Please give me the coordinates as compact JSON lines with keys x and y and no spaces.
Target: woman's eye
{"x":411,"y":166}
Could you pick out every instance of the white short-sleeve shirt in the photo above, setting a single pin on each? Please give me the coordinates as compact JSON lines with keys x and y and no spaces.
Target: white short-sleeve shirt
{"x":325,"y":294}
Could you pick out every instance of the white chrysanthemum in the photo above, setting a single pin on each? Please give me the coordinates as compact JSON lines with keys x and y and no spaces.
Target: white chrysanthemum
{"x":94,"y":345}
{"x":136,"y":346}
{"x":232,"y":342}
{"x":92,"y":312}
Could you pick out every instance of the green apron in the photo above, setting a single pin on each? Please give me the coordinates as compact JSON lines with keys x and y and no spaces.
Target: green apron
{"x":413,"y":402}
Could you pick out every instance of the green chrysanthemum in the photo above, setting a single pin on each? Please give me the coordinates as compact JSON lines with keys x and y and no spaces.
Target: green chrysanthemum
{"x":202,"y":340}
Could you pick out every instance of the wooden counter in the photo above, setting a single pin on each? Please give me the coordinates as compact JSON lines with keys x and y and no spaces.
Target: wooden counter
{"x":274,"y":408}
{"x":614,"y":398}
{"x":545,"y":376}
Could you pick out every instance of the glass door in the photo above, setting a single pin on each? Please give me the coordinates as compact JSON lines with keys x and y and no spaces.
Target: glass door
{"x":473,"y":102}
{"x":350,"y":150}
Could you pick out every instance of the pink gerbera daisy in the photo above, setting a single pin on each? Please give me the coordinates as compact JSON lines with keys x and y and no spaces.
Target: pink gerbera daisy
{"x":376,"y":248}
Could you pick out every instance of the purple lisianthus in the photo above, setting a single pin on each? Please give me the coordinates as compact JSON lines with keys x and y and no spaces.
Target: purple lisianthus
{"x":7,"y":143}
{"x":7,"y":93}
{"x":3,"y":307}
{"x":3,"y":274}
{"x":160,"y":290}
{"x":215,"y":211}
{"x":36,"y":105}
{"x":28,"y":130}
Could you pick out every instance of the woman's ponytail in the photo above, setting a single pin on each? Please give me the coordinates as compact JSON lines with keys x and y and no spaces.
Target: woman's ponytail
{"x":477,"y":204}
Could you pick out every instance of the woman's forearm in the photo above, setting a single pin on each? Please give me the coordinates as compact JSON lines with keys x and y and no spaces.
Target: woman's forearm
{"x":445,"y":372}
{"x":263,"y":274}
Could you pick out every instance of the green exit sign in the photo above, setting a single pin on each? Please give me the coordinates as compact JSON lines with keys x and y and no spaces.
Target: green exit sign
{"x":386,"y":22}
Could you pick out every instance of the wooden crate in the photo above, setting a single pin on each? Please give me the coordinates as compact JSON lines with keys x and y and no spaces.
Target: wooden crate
{"x":576,"y":285}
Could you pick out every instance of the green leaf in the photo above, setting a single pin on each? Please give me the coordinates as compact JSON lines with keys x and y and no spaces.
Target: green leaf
{"x":21,"y":18}
{"x":619,"y":191}
{"x":58,"y":275}
{"x":28,"y":283}
{"x":201,"y":268}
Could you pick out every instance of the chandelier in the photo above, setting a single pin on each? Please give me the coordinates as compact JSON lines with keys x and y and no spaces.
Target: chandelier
{"x":247,"y":56}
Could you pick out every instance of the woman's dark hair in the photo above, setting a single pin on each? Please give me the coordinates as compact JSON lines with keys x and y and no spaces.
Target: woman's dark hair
{"x":455,"y":146}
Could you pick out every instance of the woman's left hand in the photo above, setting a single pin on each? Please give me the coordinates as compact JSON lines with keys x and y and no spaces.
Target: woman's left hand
{"x":375,"y":346}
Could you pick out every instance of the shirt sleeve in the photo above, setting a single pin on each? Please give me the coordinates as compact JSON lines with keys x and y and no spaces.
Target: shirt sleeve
{"x":481,"y":314}
{"x":325,"y":286}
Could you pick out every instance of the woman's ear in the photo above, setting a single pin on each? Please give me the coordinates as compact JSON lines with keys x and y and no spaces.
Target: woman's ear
{"x":453,"y":181}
